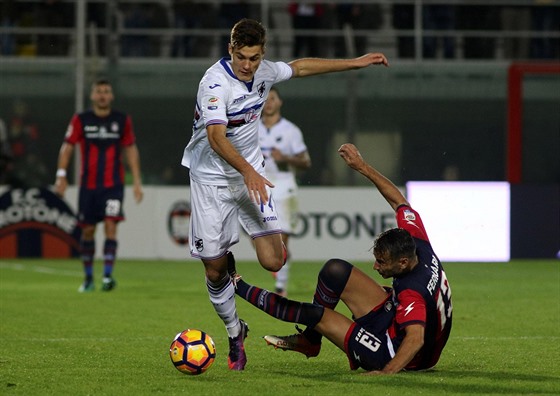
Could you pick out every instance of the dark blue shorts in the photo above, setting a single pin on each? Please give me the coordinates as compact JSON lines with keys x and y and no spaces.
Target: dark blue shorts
{"x":367,"y":342}
{"x":97,"y":205}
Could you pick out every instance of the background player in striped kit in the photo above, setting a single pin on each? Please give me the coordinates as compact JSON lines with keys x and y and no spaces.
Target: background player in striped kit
{"x":104,"y":135}
{"x":226,"y":166}
{"x":284,"y":152}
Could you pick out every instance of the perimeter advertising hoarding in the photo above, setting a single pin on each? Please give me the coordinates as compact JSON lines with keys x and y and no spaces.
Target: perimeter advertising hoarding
{"x":466,"y":222}
{"x":333,"y":222}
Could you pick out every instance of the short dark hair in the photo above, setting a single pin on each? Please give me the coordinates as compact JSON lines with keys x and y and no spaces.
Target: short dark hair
{"x":275,"y":89}
{"x":248,"y":33}
{"x":101,"y":81}
{"x":397,"y":242}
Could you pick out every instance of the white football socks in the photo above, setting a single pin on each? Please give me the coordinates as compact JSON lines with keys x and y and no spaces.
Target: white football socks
{"x":222,"y":297}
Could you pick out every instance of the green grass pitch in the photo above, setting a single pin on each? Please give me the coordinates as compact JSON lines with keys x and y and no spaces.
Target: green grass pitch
{"x":55,"y":341}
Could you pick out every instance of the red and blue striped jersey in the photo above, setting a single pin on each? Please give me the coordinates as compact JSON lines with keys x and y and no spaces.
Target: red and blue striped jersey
{"x":101,"y":140}
{"x":422,"y":296}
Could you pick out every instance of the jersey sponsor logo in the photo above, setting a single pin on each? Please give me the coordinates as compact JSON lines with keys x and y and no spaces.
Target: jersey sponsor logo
{"x":178,"y":222}
{"x":239,"y":99}
{"x":269,"y":218}
{"x":409,"y":308}
{"x":100,"y":132}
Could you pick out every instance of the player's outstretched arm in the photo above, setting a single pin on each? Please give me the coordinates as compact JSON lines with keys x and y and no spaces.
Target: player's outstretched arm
{"x":354,"y":160}
{"x":306,"y":67}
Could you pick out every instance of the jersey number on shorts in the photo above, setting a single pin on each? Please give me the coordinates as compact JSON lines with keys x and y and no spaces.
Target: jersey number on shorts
{"x":368,"y":340}
{"x":112,"y":207}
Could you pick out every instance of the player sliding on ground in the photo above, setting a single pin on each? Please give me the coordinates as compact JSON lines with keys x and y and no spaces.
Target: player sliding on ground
{"x":401,"y":328}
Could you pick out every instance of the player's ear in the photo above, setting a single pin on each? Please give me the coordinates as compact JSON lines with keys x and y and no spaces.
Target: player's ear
{"x":230,"y":49}
{"x":403,"y":263}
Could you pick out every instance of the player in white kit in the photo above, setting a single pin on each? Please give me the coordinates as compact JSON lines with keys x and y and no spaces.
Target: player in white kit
{"x":284,"y":152}
{"x":228,"y":182}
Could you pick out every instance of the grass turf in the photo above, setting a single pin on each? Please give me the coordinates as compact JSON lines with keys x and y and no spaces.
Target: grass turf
{"x":55,"y":341}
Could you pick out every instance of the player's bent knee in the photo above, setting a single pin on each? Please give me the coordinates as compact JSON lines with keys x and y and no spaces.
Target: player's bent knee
{"x":272,"y":264}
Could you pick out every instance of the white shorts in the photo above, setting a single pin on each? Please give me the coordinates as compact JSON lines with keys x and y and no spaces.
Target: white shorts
{"x":215,"y":213}
{"x":287,"y":209}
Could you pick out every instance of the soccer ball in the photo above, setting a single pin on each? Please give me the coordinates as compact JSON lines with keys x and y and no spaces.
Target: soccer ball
{"x":192,"y":351}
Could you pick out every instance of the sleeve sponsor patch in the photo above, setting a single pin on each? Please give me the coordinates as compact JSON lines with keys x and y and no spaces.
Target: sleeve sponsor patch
{"x":212,"y":103}
{"x":409,"y":215}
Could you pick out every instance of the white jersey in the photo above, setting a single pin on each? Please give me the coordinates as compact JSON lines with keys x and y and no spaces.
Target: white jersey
{"x":223,"y":99}
{"x":286,"y":137}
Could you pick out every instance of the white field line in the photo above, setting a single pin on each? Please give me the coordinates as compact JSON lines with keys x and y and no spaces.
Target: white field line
{"x":39,"y":269}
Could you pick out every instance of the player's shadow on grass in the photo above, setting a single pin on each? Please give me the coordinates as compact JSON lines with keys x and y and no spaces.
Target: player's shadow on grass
{"x":454,"y":382}
{"x":485,"y":382}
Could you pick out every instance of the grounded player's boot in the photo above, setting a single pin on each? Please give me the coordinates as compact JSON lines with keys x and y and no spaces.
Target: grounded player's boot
{"x":295,"y":342}
{"x":237,"y":358}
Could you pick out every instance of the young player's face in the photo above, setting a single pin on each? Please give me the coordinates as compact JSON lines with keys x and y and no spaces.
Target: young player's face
{"x":101,"y":97}
{"x":273,"y":104}
{"x":245,"y":61}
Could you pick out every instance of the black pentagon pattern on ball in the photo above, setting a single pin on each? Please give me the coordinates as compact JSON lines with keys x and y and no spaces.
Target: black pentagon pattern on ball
{"x":199,"y":369}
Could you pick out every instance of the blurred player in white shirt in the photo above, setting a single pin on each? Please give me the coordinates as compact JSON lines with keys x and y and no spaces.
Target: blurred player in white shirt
{"x":228,"y":183}
{"x":284,"y":152}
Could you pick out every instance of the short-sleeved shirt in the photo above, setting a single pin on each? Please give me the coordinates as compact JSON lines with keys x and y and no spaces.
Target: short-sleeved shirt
{"x":223,"y":99}
{"x":101,"y":140}
{"x":422,"y":296}
{"x":286,"y":137}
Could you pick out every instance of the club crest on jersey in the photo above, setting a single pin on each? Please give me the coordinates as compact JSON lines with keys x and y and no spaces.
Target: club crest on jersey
{"x":199,"y":244}
{"x":388,"y":306}
{"x":261,"y":89}
{"x":409,"y":215}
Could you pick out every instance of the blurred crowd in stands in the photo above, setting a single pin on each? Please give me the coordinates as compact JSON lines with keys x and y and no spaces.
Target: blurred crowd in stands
{"x":529,"y":31}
